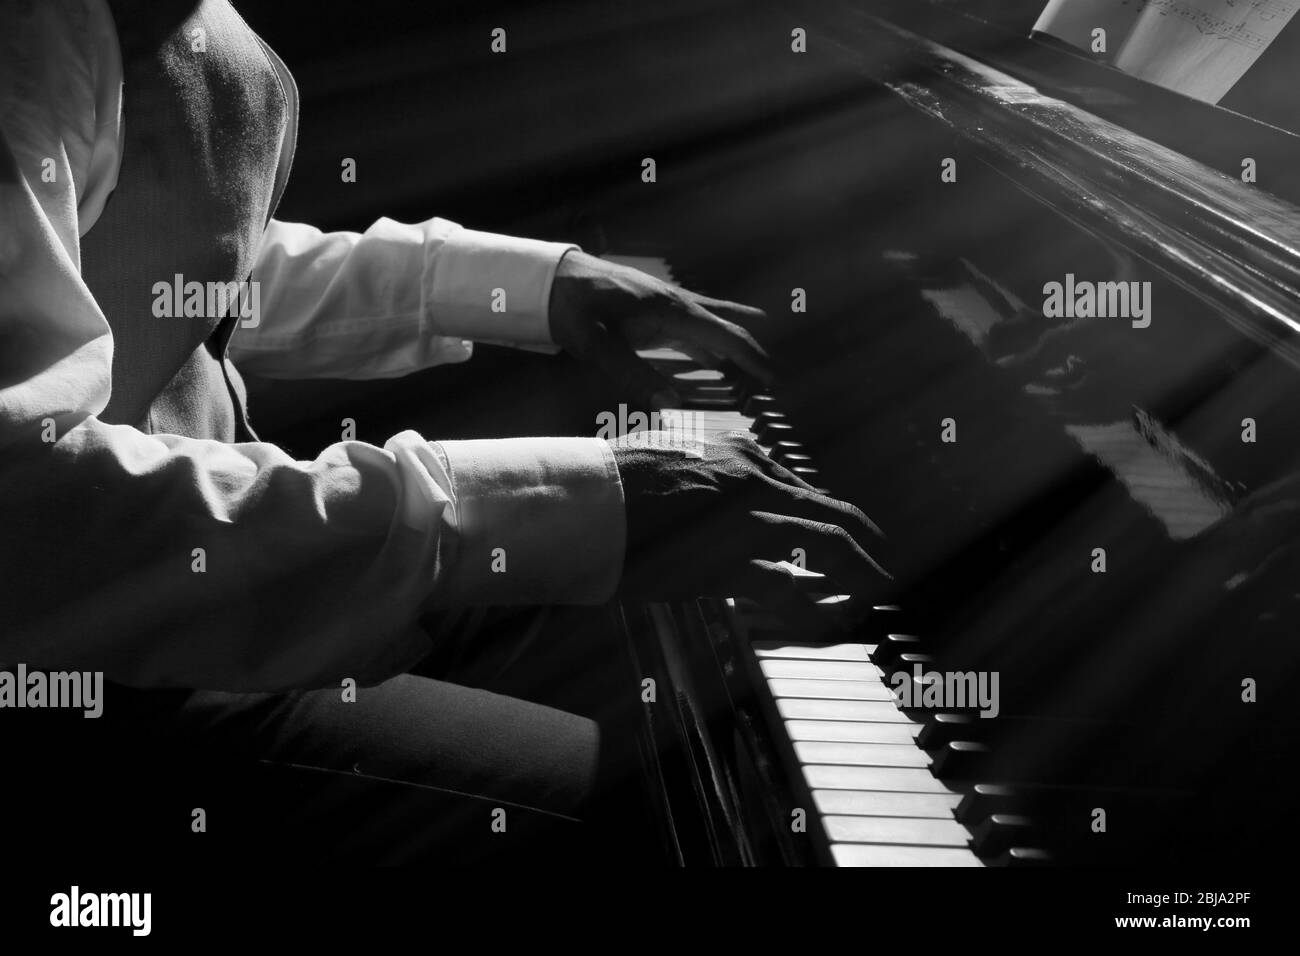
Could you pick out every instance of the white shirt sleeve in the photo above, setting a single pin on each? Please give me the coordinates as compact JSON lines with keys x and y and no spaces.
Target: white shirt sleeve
{"x":170,"y":561}
{"x":393,"y":300}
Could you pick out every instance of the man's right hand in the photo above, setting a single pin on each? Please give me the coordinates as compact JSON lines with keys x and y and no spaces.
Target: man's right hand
{"x":735,"y":523}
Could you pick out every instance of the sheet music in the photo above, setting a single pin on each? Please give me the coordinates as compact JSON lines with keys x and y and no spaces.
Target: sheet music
{"x":1197,"y":47}
{"x":1074,"y":20}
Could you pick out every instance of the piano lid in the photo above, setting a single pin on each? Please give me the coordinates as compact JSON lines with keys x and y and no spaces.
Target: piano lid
{"x":1257,"y":118}
{"x":1230,"y":243}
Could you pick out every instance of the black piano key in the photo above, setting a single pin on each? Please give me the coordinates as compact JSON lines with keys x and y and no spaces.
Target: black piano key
{"x":1024,"y":856}
{"x":942,"y":729}
{"x":999,"y":833}
{"x":985,"y":799}
{"x":835,"y":760}
{"x":770,"y":432}
{"x":810,"y":475}
{"x":881,"y":621}
{"x":906,"y":662}
{"x":782,"y":448}
{"x":893,"y":646}
{"x":960,"y":760}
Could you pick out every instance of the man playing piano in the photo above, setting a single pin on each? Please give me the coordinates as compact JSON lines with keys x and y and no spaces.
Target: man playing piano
{"x":232,"y":594}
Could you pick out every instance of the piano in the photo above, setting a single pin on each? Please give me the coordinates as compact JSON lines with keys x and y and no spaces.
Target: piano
{"x":808,"y":729}
{"x":1076,"y":539}
{"x":1100,"y":512}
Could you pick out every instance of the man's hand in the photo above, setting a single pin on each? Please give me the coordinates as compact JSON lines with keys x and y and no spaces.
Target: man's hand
{"x":603,"y":312}
{"x":722,"y":525}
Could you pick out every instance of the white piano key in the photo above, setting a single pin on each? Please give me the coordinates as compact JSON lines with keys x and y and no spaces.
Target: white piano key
{"x":806,"y":575}
{"x":877,"y":854}
{"x":904,"y":779}
{"x":832,"y":689}
{"x":701,"y":394}
{"x":896,"y":830}
{"x":793,"y":708}
{"x":822,"y":670}
{"x":707,"y":375}
{"x":861,"y":755}
{"x":704,"y":424}
{"x":854,"y":731}
{"x":708,"y":417}
{"x":877,"y":803}
{"x":665,"y":355}
{"x":821,"y":652}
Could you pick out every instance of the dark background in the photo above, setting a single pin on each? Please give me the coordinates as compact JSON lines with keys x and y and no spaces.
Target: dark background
{"x":760,"y":155}
{"x":530,"y":141}
{"x":546,"y":141}
{"x":540,"y":139}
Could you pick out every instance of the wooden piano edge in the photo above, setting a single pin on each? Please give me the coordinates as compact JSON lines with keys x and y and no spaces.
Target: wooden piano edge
{"x":708,"y":756}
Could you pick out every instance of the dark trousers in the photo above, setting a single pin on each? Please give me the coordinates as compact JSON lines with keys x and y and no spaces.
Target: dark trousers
{"x":530,"y":712}
{"x":489,"y":768}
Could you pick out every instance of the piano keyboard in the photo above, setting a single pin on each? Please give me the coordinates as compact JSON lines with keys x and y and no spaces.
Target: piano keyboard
{"x":875,"y":778}
{"x":873,"y":788}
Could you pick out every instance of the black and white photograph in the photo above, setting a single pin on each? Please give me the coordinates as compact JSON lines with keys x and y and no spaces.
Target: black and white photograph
{"x":635,"y":439}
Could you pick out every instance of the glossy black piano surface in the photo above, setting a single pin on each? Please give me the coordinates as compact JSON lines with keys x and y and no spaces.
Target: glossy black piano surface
{"x":1121,"y":690}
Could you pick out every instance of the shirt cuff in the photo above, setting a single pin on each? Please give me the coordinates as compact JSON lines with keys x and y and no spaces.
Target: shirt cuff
{"x":538,"y":521}
{"x":492,"y":288}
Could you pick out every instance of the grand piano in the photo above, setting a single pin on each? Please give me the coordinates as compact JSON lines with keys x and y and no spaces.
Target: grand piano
{"x":1105,"y":514}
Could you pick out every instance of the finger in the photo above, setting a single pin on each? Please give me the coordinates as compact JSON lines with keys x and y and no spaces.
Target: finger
{"x":617,"y":359}
{"x":735,"y":311}
{"x":790,"y":494}
{"x":744,"y":443}
{"x":828,"y":549}
{"x":689,"y":356}
{"x":776,"y":472}
{"x":699,"y":356}
{"x":842,"y":611}
{"x":812,"y":505}
{"x":823,"y":592}
{"x":724,"y":339}
{"x":776,"y":588}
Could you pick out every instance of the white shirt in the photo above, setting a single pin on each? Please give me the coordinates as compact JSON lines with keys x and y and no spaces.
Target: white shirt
{"x":418,"y":524}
